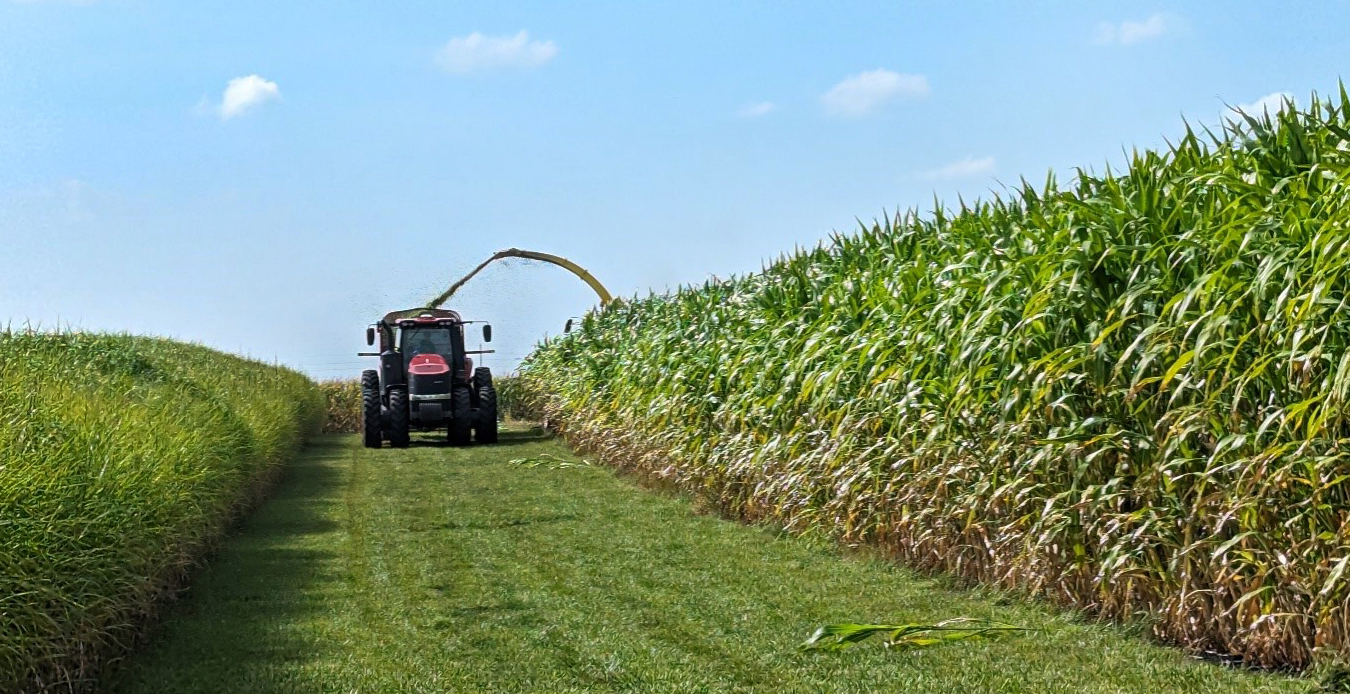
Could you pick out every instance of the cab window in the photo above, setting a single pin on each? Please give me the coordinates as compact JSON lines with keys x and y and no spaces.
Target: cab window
{"x":418,"y":341}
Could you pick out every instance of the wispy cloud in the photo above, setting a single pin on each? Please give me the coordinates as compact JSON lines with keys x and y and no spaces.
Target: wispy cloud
{"x":242,"y":94}
{"x":477,"y":53}
{"x":1130,"y":32}
{"x":861,"y":94}
{"x":762,"y":108}
{"x":1271,"y":103}
{"x":970,"y":166}
{"x":66,"y":200}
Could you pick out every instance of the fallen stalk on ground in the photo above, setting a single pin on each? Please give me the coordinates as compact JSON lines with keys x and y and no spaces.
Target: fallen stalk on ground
{"x":838,"y":637}
{"x":548,"y":461}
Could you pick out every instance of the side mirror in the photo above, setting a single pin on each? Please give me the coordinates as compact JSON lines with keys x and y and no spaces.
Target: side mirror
{"x":370,"y":336}
{"x":568,"y":328}
{"x":487,"y":333}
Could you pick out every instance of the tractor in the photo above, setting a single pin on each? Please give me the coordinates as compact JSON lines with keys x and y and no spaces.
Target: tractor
{"x":426,"y":381}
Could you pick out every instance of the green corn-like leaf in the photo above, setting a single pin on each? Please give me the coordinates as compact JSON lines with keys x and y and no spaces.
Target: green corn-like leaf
{"x":838,"y":637}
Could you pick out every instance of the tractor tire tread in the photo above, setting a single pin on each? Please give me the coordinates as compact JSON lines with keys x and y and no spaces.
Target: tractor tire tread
{"x":461,"y":416}
{"x":371,"y":435}
{"x":485,"y":429}
{"x":398,"y":418}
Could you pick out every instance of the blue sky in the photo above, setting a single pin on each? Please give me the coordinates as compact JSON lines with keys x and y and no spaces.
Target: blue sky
{"x":268,"y":178}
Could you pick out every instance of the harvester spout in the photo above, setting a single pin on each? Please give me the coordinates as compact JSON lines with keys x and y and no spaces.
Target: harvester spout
{"x":572,"y":267}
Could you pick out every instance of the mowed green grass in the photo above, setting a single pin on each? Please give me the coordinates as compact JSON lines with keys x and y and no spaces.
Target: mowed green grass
{"x":435,"y":569}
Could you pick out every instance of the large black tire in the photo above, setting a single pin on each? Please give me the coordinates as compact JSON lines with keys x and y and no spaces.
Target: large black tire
{"x":482,"y":376}
{"x":461,"y":416}
{"x":485,"y":429}
{"x":371,"y":435}
{"x":398,"y":418}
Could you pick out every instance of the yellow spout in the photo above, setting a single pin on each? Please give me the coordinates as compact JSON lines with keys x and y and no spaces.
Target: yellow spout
{"x":575,"y":269}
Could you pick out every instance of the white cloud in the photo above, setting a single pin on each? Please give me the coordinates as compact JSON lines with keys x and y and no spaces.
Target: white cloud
{"x":1270,"y":103}
{"x":1130,"y":32}
{"x":476,"y":52}
{"x":970,"y":166}
{"x":762,"y":108}
{"x":244,"y":94}
{"x":862,"y":93}
{"x":66,"y":200}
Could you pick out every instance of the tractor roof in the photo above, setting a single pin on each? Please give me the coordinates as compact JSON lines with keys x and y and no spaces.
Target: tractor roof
{"x":420,"y":315}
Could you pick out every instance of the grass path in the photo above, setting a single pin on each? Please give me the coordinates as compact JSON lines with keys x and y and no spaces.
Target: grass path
{"x":435,"y":569}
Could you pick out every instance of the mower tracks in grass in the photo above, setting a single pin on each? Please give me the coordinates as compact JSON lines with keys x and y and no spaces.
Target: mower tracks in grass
{"x":437,"y":569}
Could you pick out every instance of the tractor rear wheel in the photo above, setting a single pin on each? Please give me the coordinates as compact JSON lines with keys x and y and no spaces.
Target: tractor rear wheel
{"x":398,"y":418}
{"x":461,"y":416}
{"x":482,"y":376}
{"x":485,"y":429}
{"x":371,"y":435}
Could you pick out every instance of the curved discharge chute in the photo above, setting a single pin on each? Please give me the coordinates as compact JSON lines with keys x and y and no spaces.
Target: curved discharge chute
{"x":575,"y":269}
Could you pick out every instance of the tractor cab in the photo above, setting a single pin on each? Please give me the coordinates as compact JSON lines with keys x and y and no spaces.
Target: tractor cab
{"x":426,"y":380}
{"x":425,"y":346}
{"x":426,"y":340}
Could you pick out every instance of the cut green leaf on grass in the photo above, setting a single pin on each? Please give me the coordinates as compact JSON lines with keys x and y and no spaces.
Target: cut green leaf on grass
{"x":838,"y":637}
{"x":548,"y":461}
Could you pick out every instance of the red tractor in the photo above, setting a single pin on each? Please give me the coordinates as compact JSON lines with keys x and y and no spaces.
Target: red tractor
{"x":426,"y":381}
